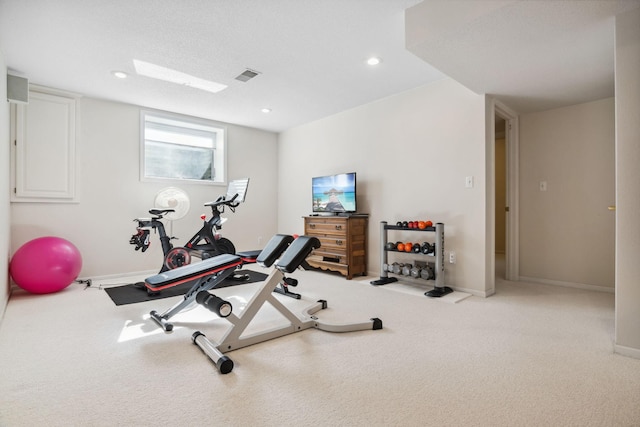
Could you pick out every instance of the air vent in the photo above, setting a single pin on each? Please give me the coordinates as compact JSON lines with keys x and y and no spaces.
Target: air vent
{"x":247,"y":75}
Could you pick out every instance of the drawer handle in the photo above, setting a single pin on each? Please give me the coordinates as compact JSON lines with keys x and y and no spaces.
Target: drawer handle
{"x":338,"y":242}
{"x":338,"y":227}
{"x":312,"y":226}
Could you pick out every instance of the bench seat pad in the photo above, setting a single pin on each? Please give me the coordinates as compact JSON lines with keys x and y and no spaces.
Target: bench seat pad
{"x":191,"y":272}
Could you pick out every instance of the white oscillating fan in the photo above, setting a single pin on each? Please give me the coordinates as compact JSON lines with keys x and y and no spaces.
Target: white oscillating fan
{"x":172,"y":198}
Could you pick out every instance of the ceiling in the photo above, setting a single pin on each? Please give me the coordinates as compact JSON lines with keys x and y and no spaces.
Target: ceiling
{"x":310,"y":54}
{"x":532,"y":55}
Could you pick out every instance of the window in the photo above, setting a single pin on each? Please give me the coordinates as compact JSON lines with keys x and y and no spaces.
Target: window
{"x":181,"y":148}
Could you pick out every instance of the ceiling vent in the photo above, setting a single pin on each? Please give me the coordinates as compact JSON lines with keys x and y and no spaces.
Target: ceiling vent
{"x":247,"y":75}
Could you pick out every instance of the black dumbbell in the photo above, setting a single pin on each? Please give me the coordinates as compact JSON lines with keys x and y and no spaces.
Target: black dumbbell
{"x":427,"y":273}
{"x":426,"y":248}
{"x":416,"y":248}
{"x":390,"y":246}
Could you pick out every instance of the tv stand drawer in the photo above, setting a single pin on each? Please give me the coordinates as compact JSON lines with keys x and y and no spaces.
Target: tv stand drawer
{"x":327,"y":225}
{"x":343,"y":243}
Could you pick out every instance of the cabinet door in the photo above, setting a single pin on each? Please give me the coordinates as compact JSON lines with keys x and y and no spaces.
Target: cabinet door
{"x":45,"y":149}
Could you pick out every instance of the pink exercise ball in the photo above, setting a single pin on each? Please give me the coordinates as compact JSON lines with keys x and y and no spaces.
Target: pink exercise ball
{"x":45,"y":265}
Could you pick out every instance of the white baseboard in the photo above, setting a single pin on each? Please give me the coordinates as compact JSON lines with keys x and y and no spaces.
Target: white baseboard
{"x":146,"y":273}
{"x":627,"y":351}
{"x":566,"y":284}
{"x":474,"y":292}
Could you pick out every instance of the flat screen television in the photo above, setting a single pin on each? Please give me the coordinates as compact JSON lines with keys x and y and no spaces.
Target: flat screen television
{"x":334,"y":193}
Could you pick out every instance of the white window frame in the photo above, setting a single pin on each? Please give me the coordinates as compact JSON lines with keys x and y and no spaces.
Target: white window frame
{"x":219,"y":159}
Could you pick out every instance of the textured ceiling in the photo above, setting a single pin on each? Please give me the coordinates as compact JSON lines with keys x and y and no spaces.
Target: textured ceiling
{"x":310,"y":53}
{"x":533,"y":55}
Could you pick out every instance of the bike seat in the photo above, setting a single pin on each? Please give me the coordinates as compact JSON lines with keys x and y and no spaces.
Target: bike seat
{"x":160,"y":211}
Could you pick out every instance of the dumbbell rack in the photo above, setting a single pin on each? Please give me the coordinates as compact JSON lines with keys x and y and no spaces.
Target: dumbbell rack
{"x":439,"y":288}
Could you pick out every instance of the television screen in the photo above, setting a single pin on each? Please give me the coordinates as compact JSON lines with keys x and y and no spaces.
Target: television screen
{"x":334,"y":193}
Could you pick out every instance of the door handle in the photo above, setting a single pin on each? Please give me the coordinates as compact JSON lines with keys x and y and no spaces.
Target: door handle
{"x":612,"y":208}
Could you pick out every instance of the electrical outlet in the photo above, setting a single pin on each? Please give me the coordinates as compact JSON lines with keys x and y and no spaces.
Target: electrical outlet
{"x":452,"y":257}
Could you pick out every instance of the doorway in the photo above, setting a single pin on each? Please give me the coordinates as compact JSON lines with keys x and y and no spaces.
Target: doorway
{"x":500,"y":197}
{"x":504,"y":140}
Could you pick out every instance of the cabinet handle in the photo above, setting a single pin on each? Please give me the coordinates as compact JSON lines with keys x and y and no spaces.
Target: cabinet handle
{"x":339,"y":242}
{"x":338,"y":227}
{"x":312,"y":226}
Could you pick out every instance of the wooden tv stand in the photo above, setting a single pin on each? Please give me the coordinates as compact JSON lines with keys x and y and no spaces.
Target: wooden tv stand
{"x":343,"y":243}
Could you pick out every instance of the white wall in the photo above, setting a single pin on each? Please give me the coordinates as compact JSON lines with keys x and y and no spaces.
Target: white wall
{"x":412,"y":152}
{"x":111,"y":194}
{"x":567,"y":234}
{"x":627,"y":80}
{"x":5,"y":220}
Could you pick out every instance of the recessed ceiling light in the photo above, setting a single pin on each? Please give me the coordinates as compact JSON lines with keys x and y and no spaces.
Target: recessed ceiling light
{"x":168,"y":75}
{"x":374,"y":61}
{"x":120,"y":74}
{"x":266,"y":110}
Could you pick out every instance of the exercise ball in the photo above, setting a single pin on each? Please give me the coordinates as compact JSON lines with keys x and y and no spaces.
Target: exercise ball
{"x":45,"y":265}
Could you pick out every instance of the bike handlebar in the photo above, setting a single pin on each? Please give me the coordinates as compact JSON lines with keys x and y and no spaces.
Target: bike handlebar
{"x":222,"y":201}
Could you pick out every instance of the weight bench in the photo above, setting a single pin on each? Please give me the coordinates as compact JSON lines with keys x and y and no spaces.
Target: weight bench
{"x":208,"y":274}
{"x":233,"y":339}
{"x":250,"y":257}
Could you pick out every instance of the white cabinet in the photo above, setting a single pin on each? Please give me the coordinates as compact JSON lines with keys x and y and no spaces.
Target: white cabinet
{"x":44,"y":160}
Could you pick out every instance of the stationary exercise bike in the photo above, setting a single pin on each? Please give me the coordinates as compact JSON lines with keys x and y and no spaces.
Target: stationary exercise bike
{"x":206,"y":243}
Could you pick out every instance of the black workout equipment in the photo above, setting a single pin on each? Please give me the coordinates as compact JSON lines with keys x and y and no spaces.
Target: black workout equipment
{"x":426,"y":248}
{"x":216,"y":304}
{"x":233,"y":339}
{"x":207,"y":275}
{"x":427,"y":273}
{"x":206,"y":243}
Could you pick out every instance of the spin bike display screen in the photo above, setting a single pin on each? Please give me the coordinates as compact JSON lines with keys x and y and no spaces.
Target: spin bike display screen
{"x":239,"y":187}
{"x":334,"y":193}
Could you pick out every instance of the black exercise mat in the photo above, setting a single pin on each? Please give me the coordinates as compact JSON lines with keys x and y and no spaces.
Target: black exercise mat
{"x":131,"y":294}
